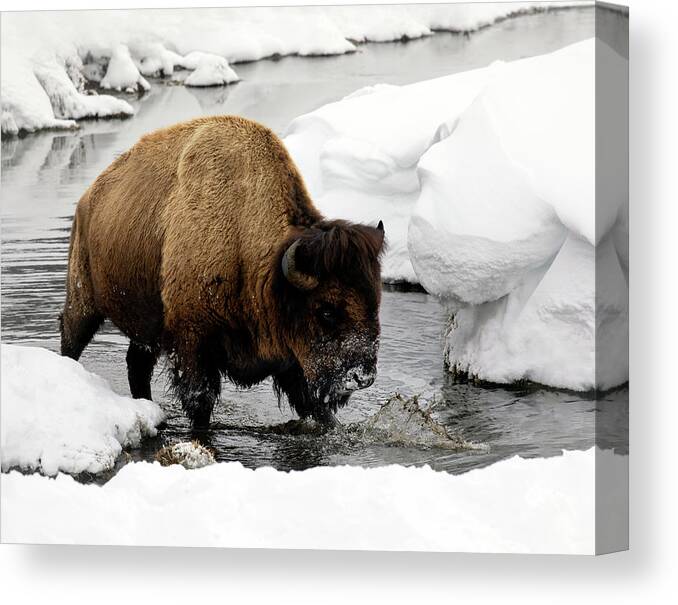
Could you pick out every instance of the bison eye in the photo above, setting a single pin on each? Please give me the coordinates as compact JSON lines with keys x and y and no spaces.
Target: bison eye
{"x":327,"y":315}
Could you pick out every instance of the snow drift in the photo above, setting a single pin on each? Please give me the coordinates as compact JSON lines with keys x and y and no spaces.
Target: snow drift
{"x":118,"y":50}
{"x":57,"y":416}
{"x":547,"y":506}
{"x":485,"y":181}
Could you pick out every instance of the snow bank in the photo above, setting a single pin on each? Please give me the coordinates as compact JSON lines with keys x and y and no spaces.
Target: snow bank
{"x":119,"y":49}
{"x":56,"y":416}
{"x":24,"y":103}
{"x":485,"y":181}
{"x":528,"y":506}
{"x":506,"y":228}
{"x":39,"y":93}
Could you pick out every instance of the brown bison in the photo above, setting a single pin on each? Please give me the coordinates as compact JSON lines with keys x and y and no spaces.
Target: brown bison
{"x":201,"y":243}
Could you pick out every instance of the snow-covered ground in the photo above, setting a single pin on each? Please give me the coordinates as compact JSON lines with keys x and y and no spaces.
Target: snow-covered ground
{"x":485,"y":181}
{"x":49,"y":57}
{"x":57,"y":416}
{"x":517,"y":505}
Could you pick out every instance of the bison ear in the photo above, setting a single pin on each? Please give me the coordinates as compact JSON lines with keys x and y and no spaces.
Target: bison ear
{"x":299,"y":280}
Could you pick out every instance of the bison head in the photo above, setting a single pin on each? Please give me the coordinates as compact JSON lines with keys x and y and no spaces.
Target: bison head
{"x":329,"y":294}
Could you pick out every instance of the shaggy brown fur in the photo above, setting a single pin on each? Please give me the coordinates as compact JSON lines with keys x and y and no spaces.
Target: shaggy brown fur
{"x":180,"y":243}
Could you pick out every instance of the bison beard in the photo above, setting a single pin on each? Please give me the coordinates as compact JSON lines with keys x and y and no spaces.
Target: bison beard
{"x":201,"y":243}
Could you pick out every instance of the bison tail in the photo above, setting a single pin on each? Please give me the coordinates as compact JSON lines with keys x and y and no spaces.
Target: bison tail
{"x":79,"y":320}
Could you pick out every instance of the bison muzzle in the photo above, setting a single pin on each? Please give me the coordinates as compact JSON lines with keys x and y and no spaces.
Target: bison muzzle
{"x":201,"y":243}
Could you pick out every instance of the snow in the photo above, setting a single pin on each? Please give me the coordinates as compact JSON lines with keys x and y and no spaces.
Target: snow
{"x":120,"y":49}
{"x":547,"y":506}
{"x":485,"y":181}
{"x":57,"y":416}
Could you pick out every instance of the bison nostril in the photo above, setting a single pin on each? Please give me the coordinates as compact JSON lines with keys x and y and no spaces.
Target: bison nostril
{"x":363,"y":380}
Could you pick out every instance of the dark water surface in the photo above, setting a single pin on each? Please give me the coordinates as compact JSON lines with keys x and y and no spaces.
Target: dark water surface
{"x":44,"y":174}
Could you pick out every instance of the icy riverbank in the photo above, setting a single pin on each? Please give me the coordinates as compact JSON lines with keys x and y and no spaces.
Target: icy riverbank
{"x":547,"y":506}
{"x":57,"y":416}
{"x":51,"y":60}
{"x":485,"y":181}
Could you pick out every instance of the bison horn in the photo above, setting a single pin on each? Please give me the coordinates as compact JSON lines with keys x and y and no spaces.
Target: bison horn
{"x":380,"y":233}
{"x":295,"y":277}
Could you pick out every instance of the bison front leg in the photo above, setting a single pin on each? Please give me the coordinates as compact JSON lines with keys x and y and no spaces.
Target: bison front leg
{"x":195,"y":381}
{"x":198,"y":401}
{"x":294,"y":386}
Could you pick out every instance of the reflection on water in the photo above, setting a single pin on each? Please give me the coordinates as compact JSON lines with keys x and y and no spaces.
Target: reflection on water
{"x":43,"y":175}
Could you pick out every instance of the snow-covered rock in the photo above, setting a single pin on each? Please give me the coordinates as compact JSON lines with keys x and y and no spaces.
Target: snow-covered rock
{"x":190,"y":454}
{"x":208,"y":70}
{"x":57,"y":416}
{"x":516,"y":505}
{"x":485,"y":181}
{"x":154,"y":60}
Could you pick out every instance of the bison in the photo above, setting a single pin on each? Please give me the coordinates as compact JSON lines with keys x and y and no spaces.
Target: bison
{"x":201,"y":243}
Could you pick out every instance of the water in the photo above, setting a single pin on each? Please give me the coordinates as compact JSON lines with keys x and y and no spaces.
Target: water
{"x":44,"y":174}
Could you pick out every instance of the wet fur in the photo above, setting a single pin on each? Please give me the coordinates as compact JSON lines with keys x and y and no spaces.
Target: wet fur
{"x":179,"y":243}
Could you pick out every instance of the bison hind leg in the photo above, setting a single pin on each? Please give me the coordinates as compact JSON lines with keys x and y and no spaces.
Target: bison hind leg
{"x":141,"y":360}
{"x":77,"y":330}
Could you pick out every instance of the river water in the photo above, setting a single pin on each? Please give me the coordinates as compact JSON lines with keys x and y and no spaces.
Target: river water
{"x":44,"y":174}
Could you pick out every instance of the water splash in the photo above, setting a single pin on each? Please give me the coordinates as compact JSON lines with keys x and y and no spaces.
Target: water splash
{"x":400,"y":421}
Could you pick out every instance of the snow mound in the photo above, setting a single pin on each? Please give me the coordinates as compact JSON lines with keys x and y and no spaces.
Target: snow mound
{"x":122,"y":73}
{"x":546,"y":506}
{"x":485,"y":181}
{"x":57,"y":416}
{"x":208,"y":70}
